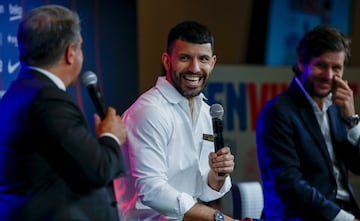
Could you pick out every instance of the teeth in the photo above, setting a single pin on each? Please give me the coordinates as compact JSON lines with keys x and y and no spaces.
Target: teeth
{"x":192,"y":78}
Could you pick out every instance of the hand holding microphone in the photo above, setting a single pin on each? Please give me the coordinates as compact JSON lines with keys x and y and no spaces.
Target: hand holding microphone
{"x":222,"y":161}
{"x":89,"y":79}
{"x":112,"y":124}
{"x":109,"y":122}
{"x":216,"y":113}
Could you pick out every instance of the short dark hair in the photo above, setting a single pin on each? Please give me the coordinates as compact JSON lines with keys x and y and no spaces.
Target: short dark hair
{"x":45,"y":32}
{"x":190,"y":31}
{"x":321,"y":39}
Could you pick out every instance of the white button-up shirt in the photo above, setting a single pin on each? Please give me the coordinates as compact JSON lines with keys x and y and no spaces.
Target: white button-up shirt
{"x":167,"y":156}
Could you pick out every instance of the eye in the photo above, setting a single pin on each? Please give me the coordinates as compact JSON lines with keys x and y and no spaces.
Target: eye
{"x":205,"y":59}
{"x":184,"y":57}
{"x":321,"y":65}
{"x":337,"y":68}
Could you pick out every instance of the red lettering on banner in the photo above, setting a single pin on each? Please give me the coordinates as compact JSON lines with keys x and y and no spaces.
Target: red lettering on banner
{"x":267,"y":92}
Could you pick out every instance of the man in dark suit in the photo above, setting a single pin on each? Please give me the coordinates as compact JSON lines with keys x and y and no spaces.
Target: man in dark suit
{"x":51,"y":167}
{"x":308,"y":136}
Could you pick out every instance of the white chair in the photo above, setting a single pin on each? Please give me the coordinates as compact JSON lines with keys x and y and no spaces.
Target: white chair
{"x":248,"y":200}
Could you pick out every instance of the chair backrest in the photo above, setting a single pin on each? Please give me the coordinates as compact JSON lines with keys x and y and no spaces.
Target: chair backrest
{"x":248,"y":200}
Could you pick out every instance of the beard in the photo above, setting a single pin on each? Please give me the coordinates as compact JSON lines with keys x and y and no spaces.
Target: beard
{"x":311,"y":86}
{"x":188,"y":91}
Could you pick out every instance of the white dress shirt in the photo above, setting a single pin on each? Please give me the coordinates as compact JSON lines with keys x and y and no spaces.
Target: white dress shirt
{"x":167,"y":155}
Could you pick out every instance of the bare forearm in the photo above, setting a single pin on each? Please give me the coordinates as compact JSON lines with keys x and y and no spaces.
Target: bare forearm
{"x":215,"y":182}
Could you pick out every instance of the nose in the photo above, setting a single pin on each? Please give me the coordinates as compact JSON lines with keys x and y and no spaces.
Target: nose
{"x":328,"y":73}
{"x":194,"y":66}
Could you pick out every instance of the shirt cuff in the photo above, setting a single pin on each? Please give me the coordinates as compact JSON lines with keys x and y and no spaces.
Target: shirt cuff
{"x":186,"y":203}
{"x":112,"y":136}
{"x":210,"y":194}
{"x":353,"y":135}
{"x":344,"y":216}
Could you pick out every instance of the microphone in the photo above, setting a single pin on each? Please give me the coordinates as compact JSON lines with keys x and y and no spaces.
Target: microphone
{"x":216,"y":113}
{"x":89,"y":79}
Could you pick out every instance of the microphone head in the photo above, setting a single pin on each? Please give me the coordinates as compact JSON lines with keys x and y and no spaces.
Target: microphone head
{"x":89,"y":78}
{"x":216,"y":111}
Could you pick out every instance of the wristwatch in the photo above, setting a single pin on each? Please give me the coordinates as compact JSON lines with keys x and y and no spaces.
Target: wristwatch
{"x":219,"y":216}
{"x":352,"y":121}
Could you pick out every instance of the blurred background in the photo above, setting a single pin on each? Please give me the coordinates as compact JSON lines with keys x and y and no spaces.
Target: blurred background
{"x":255,"y":43}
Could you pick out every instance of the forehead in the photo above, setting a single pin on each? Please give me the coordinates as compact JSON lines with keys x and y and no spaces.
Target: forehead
{"x":336,"y":57}
{"x":184,"y":47}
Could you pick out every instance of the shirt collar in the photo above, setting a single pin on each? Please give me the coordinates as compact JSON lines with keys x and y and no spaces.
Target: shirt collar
{"x":57,"y":81}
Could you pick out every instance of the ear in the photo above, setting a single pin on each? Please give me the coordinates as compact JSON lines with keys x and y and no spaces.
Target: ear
{"x":214,"y":58}
{"x":70,"y":53}
{"x":165,"y":59}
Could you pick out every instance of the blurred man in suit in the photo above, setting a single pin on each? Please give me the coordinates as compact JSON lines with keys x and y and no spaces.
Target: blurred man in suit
{"x":308,"y":136}
{"x":51,"y":167}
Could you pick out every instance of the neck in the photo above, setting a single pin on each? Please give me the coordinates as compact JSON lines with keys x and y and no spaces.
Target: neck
{"x":191,"y":103}
{"x":319,"y":102}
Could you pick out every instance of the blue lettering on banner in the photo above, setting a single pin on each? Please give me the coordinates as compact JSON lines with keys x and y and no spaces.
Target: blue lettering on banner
{"x":236,"y":105}
{"x":235,"y":102}
{"x":243,"y":100}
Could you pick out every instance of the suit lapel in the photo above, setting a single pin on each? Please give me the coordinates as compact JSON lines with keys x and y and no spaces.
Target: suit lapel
{"x":336,"y":126}
{"x":308,"y":117}
{"x":338,"y":133}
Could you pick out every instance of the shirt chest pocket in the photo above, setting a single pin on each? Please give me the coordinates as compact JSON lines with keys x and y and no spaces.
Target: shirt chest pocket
{"x":207,"y":146}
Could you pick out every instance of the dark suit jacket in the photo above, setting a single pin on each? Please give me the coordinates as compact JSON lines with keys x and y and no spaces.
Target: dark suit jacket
{"x":51,"y":167}
{"x":296,"y":170}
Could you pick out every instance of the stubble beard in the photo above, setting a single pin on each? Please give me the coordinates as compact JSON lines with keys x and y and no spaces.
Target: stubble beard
{"x":188,"y":92}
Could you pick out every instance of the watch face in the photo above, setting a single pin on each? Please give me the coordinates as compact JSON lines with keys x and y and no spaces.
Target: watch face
{"x":353,"y":121}
{"x":356,"y":119}
{"x":219,"y":216}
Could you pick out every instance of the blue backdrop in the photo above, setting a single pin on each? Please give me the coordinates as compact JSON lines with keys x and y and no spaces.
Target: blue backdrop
{"x":110,"y":47}
{"x":290,"y":19}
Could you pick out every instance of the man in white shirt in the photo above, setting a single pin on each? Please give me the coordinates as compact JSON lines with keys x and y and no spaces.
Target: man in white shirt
{"x":172,"y":163}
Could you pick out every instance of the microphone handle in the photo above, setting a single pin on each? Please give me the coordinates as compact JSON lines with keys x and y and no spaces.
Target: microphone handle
{"x":97,"y":100}
{"x":218,"y":136}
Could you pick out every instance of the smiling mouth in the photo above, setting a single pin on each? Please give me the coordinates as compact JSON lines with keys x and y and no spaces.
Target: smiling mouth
{"x":192,"y":81}
{"x":192,"y":78}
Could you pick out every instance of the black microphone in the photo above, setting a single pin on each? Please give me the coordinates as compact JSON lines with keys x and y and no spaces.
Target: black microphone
{"x":216,"y":113}
{"x":89,"y":79}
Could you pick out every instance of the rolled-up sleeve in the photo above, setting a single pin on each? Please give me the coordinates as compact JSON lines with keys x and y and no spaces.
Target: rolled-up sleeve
{"x":210,"y":194}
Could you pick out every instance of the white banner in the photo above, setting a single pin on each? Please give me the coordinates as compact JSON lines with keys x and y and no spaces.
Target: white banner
{"x":243,"y":90}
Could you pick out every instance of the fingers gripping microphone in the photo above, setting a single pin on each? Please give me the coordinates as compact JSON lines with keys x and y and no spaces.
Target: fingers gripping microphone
{"x":216,"y":113}
{"x":89,"y":79}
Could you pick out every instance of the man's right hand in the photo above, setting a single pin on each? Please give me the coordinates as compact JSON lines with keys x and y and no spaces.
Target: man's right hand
{"x":112,"y":123}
